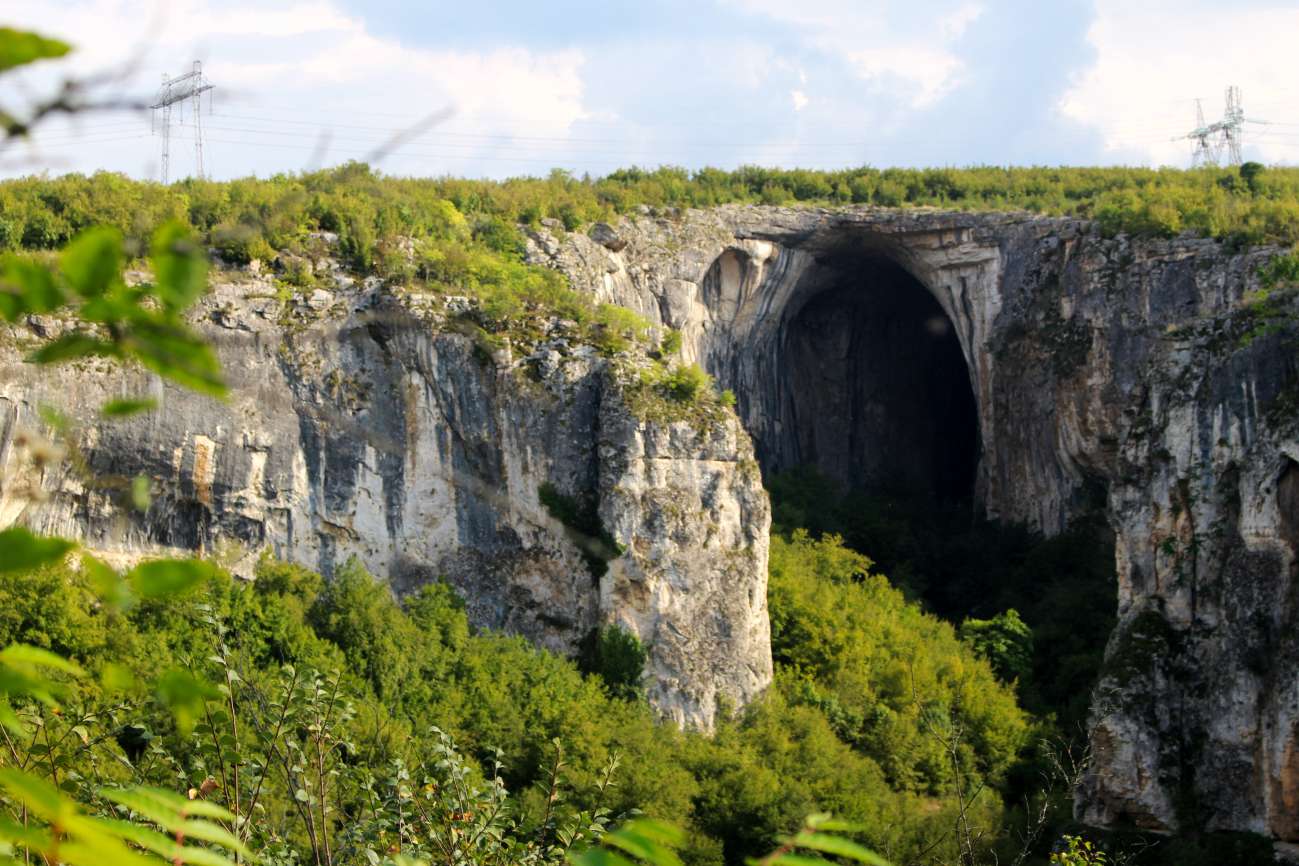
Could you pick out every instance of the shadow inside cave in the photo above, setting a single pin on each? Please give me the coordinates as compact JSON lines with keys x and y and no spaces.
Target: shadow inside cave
{"x":878,"y":395}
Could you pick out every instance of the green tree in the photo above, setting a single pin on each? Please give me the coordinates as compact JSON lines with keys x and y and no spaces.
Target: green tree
{"x":1005,"y":641}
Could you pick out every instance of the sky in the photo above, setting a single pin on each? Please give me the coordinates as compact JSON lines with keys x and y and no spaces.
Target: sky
{"x":499,"y":88}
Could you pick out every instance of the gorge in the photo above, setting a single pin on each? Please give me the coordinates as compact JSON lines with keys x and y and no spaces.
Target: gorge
{"x":1027,"y":361}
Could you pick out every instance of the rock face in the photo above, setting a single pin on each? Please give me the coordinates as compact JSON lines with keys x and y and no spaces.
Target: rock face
{"x":1143,"y":375}
{"x":362,"y":425}
{"x":1044,"y":367}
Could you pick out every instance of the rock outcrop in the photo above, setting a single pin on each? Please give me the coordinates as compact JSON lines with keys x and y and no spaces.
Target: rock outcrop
{"x":362,"y":424}
{"x":1147,"y":376}
{"x":1043,"y":367}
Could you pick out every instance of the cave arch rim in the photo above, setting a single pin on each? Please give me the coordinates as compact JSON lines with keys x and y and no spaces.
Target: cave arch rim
{"x":846,"y":268}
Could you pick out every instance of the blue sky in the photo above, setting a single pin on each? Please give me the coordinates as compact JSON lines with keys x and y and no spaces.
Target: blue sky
{"x":592,"y":86}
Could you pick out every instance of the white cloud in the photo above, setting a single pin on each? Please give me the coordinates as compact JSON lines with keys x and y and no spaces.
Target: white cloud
{"x":952,"y":26}
{"x":295,"y":20}
{"x":918,"y":62}
{"x":925,"y":73}
{"x":1152,"y":60}
{"x":309,"y":63}
{"x":799,"y":98}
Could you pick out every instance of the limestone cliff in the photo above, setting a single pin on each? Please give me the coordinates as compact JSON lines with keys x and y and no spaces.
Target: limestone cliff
{"x":361,"y":423}
{"x":1029,"y":360}
{"x":1144,"y":375}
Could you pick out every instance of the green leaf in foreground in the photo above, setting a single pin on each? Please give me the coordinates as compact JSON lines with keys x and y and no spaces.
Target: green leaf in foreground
{"x":23,"y":673}
{"x":839,"y":847}
{"x":69,"y":347}
{"x":128,"y":406}
{"x":184,"y":694}
{"x":21,"y":654}
{"x":111,"y":587}
{"x":93,"y":261}
{"x":26,"y":287}
{"x":175,"y":812}
{"x":792,"y":860}
{"x":162,"y":578}
{"x":83,"y":840}
{"x":20,"y":47}
{"x":172,"y":351}
{"x":599,"y":857}
{"x":167,"y":847}
{"x":141,"y":498}
{"x":649,"y":841}
{"x":21,"y":550}
{"x":179,"y":266}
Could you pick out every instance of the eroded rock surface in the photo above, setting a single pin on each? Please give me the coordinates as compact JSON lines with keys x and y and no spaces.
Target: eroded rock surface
{"x":1146,"y":375}
{"x":1143,"y":376}
{"x":361,"y":424}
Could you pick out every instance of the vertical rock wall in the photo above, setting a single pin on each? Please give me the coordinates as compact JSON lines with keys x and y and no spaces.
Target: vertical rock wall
{"x":363,"y":425}
{"x":1148,"y":373}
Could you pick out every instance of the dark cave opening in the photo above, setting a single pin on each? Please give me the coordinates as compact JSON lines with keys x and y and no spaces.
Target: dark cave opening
{"x":877,"y":441}
{"x":877,"y":385}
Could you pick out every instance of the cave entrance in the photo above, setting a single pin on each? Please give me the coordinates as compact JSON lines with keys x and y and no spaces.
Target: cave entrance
{"x":876,"y":385}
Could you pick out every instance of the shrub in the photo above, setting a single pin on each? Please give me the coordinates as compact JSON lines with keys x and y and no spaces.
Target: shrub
{"x":686,"y":383}
{"x":240,"y":244}
{"x":839,"y":631}
{"x":1079,"y":852}
{"x":618,"y":658}
{"x":1005,"y":641}
{"x":1251,"y":172}
{"x":497,"y":234}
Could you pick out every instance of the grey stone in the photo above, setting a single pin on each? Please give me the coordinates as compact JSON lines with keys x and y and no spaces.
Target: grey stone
{"x":382,"y":434}
{"x":1130,"y":366}
{"x":604,"y":235}
{"x":1136,"y":369}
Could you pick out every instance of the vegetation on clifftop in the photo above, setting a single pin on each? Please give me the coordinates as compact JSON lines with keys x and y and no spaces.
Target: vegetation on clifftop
{"x":371,"y":214}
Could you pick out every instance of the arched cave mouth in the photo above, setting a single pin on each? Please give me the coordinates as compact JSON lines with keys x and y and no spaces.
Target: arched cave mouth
{"x":876,"y":385}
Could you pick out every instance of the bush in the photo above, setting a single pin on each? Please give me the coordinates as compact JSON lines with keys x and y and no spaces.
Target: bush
{"x":1005,"y":641}
{"x":686,"y":383}
{"x":618,"y":658}
{"x":1079,"y":852}
{"x":240,"y":244}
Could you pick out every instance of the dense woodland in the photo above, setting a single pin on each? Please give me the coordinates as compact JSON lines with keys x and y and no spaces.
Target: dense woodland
{"x":932,"y":670}
{"x":862,"y":674}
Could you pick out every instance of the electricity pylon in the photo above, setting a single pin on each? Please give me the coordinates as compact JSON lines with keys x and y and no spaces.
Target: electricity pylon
{"x":1222,"y":137}
{"x":192,"y":85}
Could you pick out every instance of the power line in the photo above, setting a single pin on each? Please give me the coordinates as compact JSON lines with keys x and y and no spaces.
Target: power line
{"x":503,"y":140}
{"x":44,"y":144}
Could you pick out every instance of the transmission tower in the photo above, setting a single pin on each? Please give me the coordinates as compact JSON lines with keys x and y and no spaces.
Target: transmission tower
{"x":192,"y":85}
{"x":1221,"y":138}
{"x":1205,"y":153}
